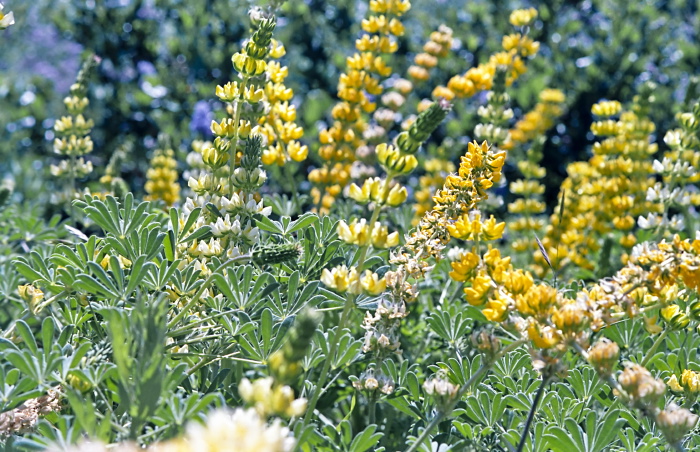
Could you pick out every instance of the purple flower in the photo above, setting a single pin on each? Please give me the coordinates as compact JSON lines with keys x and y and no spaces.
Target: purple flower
{"x":145,"y":68}
{"x":202,"y":117}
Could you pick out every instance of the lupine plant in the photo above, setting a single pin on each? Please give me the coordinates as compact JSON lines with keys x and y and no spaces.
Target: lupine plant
{"x":385,"y":265}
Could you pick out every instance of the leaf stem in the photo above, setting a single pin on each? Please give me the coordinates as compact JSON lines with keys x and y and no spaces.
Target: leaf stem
{"x":347,"y":308}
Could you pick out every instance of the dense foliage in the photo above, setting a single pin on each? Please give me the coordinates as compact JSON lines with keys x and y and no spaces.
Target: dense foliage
{"x":382,"y":226}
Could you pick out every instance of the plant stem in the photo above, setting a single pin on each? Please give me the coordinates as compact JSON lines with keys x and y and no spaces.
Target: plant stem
{"x":204,"y":286}
{"x":531,"y":415}
{"x":349,"y":301}
{"x":654,"y":346}
{"x":372,"y":409}
{"x":347,"y":308}
{"x":477,"y":375}
{"x":234,"y":142}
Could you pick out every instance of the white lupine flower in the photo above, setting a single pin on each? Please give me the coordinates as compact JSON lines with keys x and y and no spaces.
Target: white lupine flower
{"x":658,"y":166}
{"x":652,"y":193}
{"x":680,"y":197}
{"x":6,"y":19}
{"x":233,"y":252}
{"x":673,"y":138}
{"x":243,"y":428}
{"x":651,"y":221}
{"x":221,"y":226}
{"x":677,"y":223}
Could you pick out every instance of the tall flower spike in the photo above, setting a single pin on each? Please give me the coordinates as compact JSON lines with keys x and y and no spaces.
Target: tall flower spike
{"x":162,"y":178}
{"x":73,"y":131}
{"x":361,"y":81}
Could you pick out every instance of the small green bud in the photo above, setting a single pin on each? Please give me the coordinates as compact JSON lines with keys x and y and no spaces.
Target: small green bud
{"x":410,"y":141}
{"x":276,"y":254}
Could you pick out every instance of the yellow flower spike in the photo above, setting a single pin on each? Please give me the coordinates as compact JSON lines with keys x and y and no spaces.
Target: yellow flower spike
{"x":606,"y":108}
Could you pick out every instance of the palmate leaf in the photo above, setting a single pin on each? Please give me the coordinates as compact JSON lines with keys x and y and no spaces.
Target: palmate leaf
{"x":33,"y":267}
{"x":450,"y":325}
{"x":117,"y":219}
{"x":244,"y":290}
{"x":596,"y":435}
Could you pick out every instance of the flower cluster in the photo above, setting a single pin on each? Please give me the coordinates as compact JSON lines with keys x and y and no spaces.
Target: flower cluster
{"x":244,"y":428}
{"x":438,"y":46}
{"x":25,"y":417}
{"x":515,"y":47}
{"x":677,"y":193}
{"x":606,"y":194}
{"x":357,"y":87}
{"x":529,"y":206}
{"x":279,"y":125}
{"x":73,"y":131}
{"x":162,"y":178}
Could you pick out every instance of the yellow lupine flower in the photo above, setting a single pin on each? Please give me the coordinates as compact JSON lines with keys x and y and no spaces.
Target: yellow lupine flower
{"x":477,"y":294}
{"x":381,"y":237}
{"x":340,"y":278}
{"x":372,"y":283}
{"x":355,"y":233}
{"x":496,"y":309}
{"x":542,"y":337}
{"x":522,"y":17}
{"x":463,"y":269}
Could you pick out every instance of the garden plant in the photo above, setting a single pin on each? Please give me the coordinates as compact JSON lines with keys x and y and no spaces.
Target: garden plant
{"x":358,"y":225}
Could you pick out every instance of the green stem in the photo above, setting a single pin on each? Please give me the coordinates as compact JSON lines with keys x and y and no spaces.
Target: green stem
{"x":654,"y":346}
{"x":334,"y":342}
{"x":71,"y":191}
{"x":531,"y":415}
{"x":347,"y":308}
{"x":234,"y":142}
{"x":463,"y":390}
{"x":372,"y":409}
{"x":204,"y":287}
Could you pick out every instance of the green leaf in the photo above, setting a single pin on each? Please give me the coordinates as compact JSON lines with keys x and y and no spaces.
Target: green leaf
{"x":365,"y":440}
